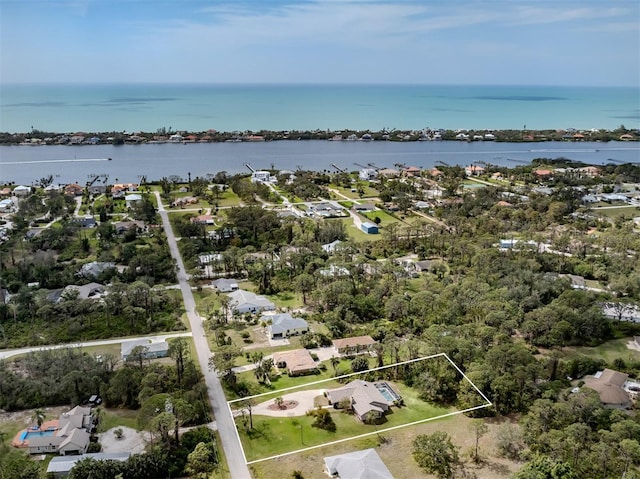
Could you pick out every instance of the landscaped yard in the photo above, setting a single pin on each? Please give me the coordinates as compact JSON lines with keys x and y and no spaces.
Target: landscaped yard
{"x":278,"y":435}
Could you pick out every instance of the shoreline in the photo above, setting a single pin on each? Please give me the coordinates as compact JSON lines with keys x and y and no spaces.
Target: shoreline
{"x":42,"y":138}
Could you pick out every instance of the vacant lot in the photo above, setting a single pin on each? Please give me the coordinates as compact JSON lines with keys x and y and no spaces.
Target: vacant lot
{"x":395,"y":449}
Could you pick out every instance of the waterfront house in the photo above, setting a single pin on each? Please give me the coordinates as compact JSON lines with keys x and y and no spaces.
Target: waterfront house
{"x":261,"y":177}
{"x":284,"y":325}
{"x":73,"y":189}
{"x":367,"y":174}
{"x":6,"y":205}
{"x":364,"y":464}
{"x":22,"y":191}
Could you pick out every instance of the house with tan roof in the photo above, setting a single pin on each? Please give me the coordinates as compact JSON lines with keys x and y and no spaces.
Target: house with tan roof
{"x":297,"y":362}
{"x":353,"y":345}
{"x":609,"y":385}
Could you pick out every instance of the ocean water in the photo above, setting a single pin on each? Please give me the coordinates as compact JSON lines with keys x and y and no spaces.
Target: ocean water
{"x":91,"y":108}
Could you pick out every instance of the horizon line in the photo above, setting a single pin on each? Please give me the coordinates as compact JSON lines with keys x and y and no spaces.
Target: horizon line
{"x":306,"y":84}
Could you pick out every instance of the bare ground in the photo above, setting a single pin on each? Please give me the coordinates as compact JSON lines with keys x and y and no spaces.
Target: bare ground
{"x":132,"y":441}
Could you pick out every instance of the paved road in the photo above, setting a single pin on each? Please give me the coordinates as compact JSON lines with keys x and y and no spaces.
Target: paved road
{"x":224,"y":420}
{"x":7,"y":353}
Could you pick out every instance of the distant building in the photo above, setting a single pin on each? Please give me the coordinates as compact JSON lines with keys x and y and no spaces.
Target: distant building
{"x":260,"y":177}
{"x":609,"y":385}
{"x":22,"y":190}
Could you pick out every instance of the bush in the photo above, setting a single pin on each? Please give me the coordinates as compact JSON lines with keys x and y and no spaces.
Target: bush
{"x":323,"y":419}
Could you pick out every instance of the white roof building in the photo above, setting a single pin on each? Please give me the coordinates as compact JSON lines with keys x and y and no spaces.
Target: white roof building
{"x":357,"y":465}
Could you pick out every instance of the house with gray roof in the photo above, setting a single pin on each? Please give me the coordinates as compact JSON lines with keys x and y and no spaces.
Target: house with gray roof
{"x":357,"y":465}
{"x":247,"y":302}
{"x":284,"y":325}
{"x":225,"y":285}
{"x":59,"y":467}
{"x":86,"y":291}
{"x":151,"y":349}
{"x":95,"y":268}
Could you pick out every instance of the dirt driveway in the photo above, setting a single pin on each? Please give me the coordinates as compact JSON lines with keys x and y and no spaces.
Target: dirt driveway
{"x":132,"y":441}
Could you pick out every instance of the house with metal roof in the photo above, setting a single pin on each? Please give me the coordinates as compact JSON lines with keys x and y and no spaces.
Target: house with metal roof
{"x":247,"y":302}
{"x":284,"y":325}
{"x":60,"y":467}
{"x":357,"y":465}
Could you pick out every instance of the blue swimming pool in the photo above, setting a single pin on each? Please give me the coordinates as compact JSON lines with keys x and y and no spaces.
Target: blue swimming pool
{"x":29,"y":434}
{"x":387,"y":391}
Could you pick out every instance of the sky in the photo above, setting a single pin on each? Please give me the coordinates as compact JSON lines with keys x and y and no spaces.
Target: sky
{"x":514,"y":42}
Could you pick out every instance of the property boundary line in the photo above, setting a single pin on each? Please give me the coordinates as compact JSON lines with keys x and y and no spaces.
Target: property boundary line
{"x":454,"y":413}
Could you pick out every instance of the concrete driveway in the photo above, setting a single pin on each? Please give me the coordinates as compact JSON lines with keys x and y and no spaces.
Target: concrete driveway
{"x":303,"y":398}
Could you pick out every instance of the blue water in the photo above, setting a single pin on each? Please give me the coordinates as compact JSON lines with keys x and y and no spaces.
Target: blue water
{"x":25,"y":164}
{"x":72,"y":108}
{"x":28,"y":434}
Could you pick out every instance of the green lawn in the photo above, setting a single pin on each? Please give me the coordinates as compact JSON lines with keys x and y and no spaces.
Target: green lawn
{"x":274,"y":435}
{"x":356,"y":233}
{"x":286,"y":299}
{"x":609,"y":351}
{"x":119,"y":417}
{"x":615,"y":212}
{"x":385,"y":218}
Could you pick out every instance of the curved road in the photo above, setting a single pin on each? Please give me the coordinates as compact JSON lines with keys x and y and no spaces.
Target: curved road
{"x":226,"y":426}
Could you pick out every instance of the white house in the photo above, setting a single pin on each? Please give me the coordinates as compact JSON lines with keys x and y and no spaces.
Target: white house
{"x":6,"y":205}
{"x":260,"y":177}
{"x":22,"y":190}
{"x":357,"y":465}
{"x":132,"y":199}
{"x":284,"y":325}
{"x":152,"y":349}
{"x":247,"y":302}
{"x":367,"y":174}
{"x":225,"y":285}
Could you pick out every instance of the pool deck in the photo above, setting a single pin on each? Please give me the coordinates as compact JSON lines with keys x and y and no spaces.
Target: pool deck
{"x":18,"y":440}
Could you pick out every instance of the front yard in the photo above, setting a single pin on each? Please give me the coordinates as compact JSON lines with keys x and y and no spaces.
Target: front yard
{"x":279,"y":435}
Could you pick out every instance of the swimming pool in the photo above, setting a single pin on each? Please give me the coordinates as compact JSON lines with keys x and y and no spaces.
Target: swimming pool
{"x":387,"y":392}
{"x":29,"y":434}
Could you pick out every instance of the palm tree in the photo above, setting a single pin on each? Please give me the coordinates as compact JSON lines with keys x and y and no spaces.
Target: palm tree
{"x":38,"y":416}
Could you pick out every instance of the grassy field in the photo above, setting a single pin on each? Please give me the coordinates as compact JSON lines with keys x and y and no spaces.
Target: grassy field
{"x":356,"y":233}
{"x":609,"y":351}
{"x":394,"y":448}
{"x":275,"y":435}
{"x":119,"y":417}
{"x":618,"y":211}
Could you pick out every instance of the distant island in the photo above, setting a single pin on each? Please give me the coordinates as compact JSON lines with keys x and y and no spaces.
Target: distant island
{"x":164,"y":135}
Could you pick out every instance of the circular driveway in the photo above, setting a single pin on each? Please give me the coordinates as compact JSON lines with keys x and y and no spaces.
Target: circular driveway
{"x":303,"y":398}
